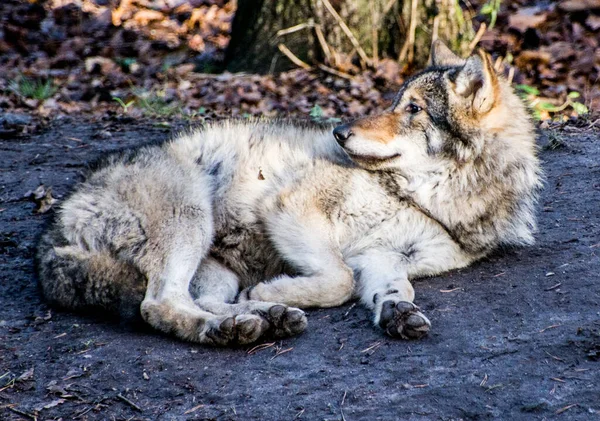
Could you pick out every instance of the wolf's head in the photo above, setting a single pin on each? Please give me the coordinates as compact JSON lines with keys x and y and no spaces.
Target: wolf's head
{"x":464,"y":145}
{"x":452,"y":111}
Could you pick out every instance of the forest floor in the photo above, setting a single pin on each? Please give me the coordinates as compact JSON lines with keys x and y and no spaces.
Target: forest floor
{"x":515,"y":336}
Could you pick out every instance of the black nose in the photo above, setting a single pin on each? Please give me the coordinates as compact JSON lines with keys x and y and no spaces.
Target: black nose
{"x":342,"y":133}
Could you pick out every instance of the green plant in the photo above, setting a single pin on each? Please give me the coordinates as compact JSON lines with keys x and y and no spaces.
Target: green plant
{"x":33,"y":89}
{"x":124,"y":106}
{"x":318,"y":115}
{"x":491,"y":9}
{"x":542,"y":108}
{"x":155,"y":103}
{"x":316,"y":112}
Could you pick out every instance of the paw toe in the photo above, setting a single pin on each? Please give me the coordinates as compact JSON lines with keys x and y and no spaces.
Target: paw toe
{"x":285,"y":321}
{"x":249,"y":329}
{"x":403,"y":320}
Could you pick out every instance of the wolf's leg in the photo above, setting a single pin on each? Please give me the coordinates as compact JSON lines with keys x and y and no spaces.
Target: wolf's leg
{"x":215,"y":288}
{"x":168,"y":305}
{"x":307,"y":242}
{"x":384,"y":287}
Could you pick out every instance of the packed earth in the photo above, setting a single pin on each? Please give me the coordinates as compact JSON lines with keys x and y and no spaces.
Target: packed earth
{"x":515,"y":336}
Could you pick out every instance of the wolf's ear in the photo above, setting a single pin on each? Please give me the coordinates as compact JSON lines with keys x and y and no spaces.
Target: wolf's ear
{"x":441,"y":55}
{"x":478,"y":78}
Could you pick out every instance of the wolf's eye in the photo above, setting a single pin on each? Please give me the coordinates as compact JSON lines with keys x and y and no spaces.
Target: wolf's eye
{"x":413,"y":108}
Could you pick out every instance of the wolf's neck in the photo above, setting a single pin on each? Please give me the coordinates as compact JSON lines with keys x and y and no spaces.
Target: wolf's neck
{"x":482,"y":204}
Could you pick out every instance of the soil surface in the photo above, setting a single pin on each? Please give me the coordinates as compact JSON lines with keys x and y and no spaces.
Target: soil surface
{"x":514,"y":337}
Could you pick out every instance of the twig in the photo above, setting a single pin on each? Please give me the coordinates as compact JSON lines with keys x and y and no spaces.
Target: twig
{"x":549,"y":327}
{"x":194,"y":409}
{"x":372,"y":347}
{"x":260,"y":348}
{"x":374,"y":32}
{"x":25,"y":414}
{"x":408,"y":50}
{"x":449,"y":290}
{"x":127,"y":401}
{"x":324,"y":46}
{"x":295,"y":28}
{"x":286,"y":52}
{"x":554,"y":357}
{"x":335,"y":72}
{"x":349,"y":310}
{"x":342,"y":405}
{"x":283,"y":351}
{"x":553,"y":287}
{"x":348,"y":32}
{"x":477,"y":38}
{"x":561,"y":410}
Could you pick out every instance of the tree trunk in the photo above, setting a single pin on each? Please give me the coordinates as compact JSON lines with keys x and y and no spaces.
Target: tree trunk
{"x":340,"y":33}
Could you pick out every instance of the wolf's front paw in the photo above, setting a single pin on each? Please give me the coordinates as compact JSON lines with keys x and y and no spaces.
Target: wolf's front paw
{"x":239,"y":330}
{"x":403,"y":320}
{"x":284,"y":321}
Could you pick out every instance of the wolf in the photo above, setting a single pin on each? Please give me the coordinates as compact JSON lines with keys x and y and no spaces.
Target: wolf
{"x":223,"y":235}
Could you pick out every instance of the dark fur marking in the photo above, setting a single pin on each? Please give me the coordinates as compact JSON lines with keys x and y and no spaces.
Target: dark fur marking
{"x":388,"y":179}
{"x":215,"y":169}
{"x":391,"y":291}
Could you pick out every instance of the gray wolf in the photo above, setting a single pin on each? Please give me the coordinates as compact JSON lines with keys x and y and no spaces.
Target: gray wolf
{"x":221,"y":236}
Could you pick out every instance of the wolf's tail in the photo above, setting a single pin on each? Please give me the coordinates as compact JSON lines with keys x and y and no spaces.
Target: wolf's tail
{"x":76,"y":278}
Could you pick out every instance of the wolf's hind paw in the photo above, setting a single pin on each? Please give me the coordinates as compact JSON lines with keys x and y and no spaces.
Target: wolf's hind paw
{"x":239,"y":330}
{"x":284,"y":321}
{"x":403,"y":320}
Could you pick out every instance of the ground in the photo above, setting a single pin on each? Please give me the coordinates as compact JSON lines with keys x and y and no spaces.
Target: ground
{"x":515,"y":336}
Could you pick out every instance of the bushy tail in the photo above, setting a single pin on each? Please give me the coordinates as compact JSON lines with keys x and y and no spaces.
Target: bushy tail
{"x":74,"y":278}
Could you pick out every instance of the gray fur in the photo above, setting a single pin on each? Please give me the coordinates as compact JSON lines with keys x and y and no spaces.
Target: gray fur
{"x":215,"y":235}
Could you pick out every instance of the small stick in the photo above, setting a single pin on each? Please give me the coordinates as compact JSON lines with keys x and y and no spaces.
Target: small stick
{"x":412,"y":28}
{"x":127,"y":401}
{"x":342,"y":405}
{"x":374,"y":346}
{"x":335,"y":72}
{"x":556,"y":379}
{"x":260,"y":348}
{"x":281,"y":352}
{"x":561,"y":410}
{"x":25,"y":414}
{"x":553,"y":287}
{"x":194,"y":409}
{"x":294,"y":28}
{"x":347,"y":31}
{"x":554,"y":357}
{"x":374,"y":33}
{"x":549,"y":327}
{"x":477,"y":38}
{"x":324,"y":46}
{"x":286,"y":52}
{"x":449,"y":290}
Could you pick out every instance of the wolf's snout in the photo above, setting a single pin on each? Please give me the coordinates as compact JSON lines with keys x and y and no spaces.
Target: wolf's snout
{"x":342,"y":133}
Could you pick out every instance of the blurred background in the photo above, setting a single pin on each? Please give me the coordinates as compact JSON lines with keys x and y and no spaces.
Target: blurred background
{"x":325,"y":59}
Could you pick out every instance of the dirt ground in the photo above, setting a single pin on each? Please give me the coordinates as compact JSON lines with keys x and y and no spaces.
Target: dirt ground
{"x":514,"y":337}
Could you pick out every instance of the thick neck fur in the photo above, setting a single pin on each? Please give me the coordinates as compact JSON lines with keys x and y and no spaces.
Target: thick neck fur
{"x":488,"y":199}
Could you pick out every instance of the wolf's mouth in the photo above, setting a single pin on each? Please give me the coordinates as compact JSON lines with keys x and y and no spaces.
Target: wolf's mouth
{"x":371,"y":159}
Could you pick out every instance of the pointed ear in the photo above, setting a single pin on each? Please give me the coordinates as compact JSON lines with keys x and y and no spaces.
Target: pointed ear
{"x":441,"y":55}
{"x":478,"y":78}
